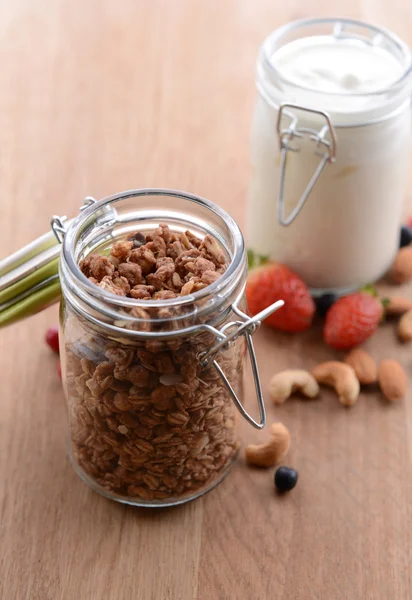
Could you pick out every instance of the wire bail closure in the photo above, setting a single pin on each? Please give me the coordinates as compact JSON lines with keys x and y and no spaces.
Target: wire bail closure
{"x":286,"y":136}
{"x":57,"y":224}
{"x":247,"y":327}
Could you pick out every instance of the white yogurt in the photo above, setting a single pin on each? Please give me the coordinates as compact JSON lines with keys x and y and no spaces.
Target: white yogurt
{"x":347,"y":233}
{"x":330,"y":65}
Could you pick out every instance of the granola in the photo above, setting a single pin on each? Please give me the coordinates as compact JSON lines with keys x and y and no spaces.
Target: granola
{"x":147,"y":422}
{"x":166,"y":263}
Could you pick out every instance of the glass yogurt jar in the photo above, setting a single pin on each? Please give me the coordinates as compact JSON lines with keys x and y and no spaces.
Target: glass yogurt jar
{"x":330,"y":151}
{"x":154,"y":381}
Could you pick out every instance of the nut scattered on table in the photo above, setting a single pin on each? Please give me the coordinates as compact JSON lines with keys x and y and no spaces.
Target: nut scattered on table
{"x":405,"y":327}
{"x":341,"y":377}
{"x":401,"y":270}
{"x":397,"y":305}
{"x":364,"y":365}
{"x":270,"y":453}
{"x":284,"y":384}
{"x":392,"y":379}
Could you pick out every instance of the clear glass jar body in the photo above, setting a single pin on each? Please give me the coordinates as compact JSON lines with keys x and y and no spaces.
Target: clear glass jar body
{"x":347,"y":232}
{"x":148,"y":425}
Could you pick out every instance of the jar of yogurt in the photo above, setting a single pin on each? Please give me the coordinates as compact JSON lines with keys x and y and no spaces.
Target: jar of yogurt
{"x":330,"y":151}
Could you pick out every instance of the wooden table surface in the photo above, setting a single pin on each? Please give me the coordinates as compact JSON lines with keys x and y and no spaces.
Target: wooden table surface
{"x":101,"y":96}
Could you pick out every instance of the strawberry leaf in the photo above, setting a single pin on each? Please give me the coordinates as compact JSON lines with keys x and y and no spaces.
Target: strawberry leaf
{"x":370,"y":289}
{"x":256,"y":260}
{"x":250,"y":258}
{"x":263,"y":259}
{"x":385,"y":302}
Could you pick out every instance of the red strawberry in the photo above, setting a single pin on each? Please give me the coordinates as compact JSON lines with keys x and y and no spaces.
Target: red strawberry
{"x":52,"y":338}
{"x":272,"y":282}
{"x":351,"y":320}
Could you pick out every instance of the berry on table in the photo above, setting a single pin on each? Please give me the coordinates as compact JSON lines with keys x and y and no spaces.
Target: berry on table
{"x":272,"y":282}
{"x":285,"y":479}
{"x":405,"y":237}
{"x":52,"y":339}
{"x":323,"y":303}
{"x":352,"y":320}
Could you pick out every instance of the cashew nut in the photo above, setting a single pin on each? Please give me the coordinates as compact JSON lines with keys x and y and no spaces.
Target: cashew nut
{"x":283,"y":384}
{"x":267,"y":455}
{"x":340,"y":376}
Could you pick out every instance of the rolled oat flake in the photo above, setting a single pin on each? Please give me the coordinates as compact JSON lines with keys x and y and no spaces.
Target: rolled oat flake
{"x":155,"y":337}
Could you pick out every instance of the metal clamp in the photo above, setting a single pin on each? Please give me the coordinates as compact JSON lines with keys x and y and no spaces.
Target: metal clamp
{"x":285,"y":138}
{"x":57,"y":223}
{"x":58,"y":228}
{"x":247,"y":326}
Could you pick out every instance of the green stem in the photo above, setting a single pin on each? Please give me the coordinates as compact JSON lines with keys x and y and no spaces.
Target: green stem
{"x":29,"y":281}
{"x":31,"y":304}
{"x":29,"y":251}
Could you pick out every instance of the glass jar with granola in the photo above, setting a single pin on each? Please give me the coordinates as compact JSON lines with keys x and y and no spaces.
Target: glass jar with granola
{"x":152,"y":345}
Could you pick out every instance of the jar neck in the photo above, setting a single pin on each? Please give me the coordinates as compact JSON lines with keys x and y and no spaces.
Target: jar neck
{"x":276,"y":86}
{"x":112,"y":219}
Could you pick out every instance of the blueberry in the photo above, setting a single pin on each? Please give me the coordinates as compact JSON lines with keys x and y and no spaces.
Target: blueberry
{"x":406,"y":236}
{"x":285,"y":479}
{"x":323,"y":303}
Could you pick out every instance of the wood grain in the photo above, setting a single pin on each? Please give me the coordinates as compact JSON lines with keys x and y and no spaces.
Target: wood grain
{"x":97,"y":97}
